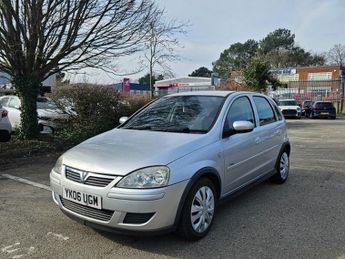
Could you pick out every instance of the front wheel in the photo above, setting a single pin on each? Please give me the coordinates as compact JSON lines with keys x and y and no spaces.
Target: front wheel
{"x":198,"y":210}
{"x":282,"y":168}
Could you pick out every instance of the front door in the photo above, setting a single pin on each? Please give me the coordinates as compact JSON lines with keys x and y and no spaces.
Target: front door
{"x":239,"y":150}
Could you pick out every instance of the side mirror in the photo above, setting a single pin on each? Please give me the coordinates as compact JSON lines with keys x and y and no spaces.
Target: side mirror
{"x":16,"y":107}
{"x":243,"y":126}
{"x":239,"y":127}
{"x":123,"y":119}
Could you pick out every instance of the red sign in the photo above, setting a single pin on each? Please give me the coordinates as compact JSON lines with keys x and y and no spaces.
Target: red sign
{"x":126,"y":86}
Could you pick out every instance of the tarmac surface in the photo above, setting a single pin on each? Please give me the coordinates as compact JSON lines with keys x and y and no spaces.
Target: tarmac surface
{"x":303,"y":218}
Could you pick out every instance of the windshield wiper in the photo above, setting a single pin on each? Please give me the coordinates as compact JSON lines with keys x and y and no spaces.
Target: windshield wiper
{"x":184,"y":130}
{"x":139,"y":127}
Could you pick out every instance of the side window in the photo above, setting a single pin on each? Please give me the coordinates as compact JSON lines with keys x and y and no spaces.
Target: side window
{"x":240,"y":110}
{"x":265,"y":112}
{"x":278,"y":112}
{"x":14,"y":103}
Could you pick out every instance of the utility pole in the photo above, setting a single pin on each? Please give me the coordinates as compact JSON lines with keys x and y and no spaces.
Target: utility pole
{"x":342,"y":92}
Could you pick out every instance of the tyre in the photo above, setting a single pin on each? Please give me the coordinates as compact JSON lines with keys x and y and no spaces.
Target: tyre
{"x":198,"y":210}
{"x":282,"y":168}
{"x":4,"y":136}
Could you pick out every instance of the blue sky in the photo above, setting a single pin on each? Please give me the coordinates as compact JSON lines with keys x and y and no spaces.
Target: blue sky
{"x":215,"y":25}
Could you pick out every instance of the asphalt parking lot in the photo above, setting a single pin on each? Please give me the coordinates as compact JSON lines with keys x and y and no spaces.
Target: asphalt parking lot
{"x":303,"y":218}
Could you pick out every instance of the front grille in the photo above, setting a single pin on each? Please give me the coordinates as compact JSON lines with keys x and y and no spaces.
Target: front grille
{"x":72,"y":175}
{"x":289,"y":112}
{"x":103,"y":215}
{"x":98,"y":181}
{"x":94,"y":180}
{"x":137,"y":218}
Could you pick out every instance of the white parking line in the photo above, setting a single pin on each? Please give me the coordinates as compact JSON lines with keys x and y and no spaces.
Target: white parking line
{"x":22,"y":180}
{"x":58,"y":236}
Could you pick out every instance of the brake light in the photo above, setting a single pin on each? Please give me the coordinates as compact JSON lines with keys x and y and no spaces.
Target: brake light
{"x":4,"y":114}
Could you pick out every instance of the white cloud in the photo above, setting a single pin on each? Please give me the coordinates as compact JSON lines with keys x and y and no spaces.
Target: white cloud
{"x":318,"y":25}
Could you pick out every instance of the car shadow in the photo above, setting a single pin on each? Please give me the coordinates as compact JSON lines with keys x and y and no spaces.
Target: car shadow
{"x":229,"y":223}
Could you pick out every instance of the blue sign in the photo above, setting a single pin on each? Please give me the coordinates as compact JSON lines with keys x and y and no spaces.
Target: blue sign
{"x":342,"y":73}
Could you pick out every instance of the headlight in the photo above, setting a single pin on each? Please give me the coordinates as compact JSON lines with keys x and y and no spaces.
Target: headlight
{"x":58,"y":166}
{"x":150,"y":177}
{"x":298,"y":108}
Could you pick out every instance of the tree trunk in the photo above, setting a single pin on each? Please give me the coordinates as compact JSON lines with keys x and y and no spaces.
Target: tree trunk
{"x":27,"y":88}
{"x":151,"y":85}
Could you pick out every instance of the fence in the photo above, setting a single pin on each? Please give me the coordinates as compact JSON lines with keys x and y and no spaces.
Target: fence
{"x":326,"y":90}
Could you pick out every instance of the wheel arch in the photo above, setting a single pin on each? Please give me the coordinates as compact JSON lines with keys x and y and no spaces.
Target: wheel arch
{"x":206,"y":172}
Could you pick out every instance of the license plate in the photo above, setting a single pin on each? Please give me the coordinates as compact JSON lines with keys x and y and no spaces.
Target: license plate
{"x":90,"y":200}
{"x":324,"y":113}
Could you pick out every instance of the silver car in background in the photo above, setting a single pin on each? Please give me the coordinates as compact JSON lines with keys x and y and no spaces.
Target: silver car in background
{"x":166,"y":167}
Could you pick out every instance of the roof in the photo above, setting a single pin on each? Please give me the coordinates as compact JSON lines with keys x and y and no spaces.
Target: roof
{"x":205,"y":93}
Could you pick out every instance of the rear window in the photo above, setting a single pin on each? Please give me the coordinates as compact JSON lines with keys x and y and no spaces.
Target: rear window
{"x":323,"y":105}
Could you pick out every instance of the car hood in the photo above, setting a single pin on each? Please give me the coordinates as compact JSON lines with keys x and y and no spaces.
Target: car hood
{"x":121,"y":151}
{"x":289,"y":107}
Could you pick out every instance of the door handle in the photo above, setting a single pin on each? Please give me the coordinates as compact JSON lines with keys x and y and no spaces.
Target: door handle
{"x":278,"y":132}
{"x":258,"y":140}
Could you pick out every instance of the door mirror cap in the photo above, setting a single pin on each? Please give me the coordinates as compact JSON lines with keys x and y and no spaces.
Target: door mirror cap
{"x":243,"y":126}
{"x":123,"y":119}
{"x":239,"y":127}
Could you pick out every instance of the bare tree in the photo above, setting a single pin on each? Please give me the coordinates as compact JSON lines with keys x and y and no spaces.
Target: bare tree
{"x":161,"y":44}
{"x":336,"y":55}
{"x":39,"y":38}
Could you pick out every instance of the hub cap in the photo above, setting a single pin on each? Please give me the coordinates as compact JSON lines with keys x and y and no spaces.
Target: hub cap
{"x":284,"y":166}
{"x":202,"y":209}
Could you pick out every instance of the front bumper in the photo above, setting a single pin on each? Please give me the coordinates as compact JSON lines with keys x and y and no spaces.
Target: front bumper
{"x":291,"y":113}
{"x":160,"y":204}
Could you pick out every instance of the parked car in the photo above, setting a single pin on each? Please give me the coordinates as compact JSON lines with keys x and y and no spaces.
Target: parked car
{"x":323,"y":110}
{"x":167,"y":166}
{"x":290,"y":108}
{"x":50,"y":117}
{"x":306,"y":107}
{"x":5,"y":125}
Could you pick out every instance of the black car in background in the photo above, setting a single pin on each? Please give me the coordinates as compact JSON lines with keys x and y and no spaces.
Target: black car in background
{"x":323,"y":110}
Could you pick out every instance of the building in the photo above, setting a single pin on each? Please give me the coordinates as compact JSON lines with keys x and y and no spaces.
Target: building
{"x":183,"y":84}
{"x":5,"y":83}
{"x":127,"y":87}
{"x":311,"y":83}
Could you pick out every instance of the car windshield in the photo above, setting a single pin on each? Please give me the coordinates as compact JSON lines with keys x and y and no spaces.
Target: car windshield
{"x":287,"y":103}
{"x":46,"y":105}
{"x":307,"y":103}
{"x":186,"y":114}
{"x":323,"y":105}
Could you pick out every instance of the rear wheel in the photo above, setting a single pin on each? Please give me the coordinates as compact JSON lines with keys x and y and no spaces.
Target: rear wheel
{"x":282,"y":168}
{"x":198,"y":210}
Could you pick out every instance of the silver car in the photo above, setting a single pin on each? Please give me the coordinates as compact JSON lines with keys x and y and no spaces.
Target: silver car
{"x":166,"y":167}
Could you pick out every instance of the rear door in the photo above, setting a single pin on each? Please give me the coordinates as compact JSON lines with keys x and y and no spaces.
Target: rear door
{"x":14,"y":112}
{"x":269,"y":135}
